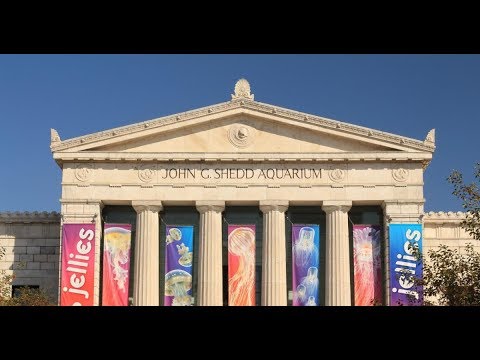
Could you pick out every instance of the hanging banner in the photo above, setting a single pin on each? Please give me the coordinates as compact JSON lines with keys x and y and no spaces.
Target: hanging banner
{"x":116,"y":264}
{"x":78,"y":260}
{"x":241,"y":265}
{"x":404,"y":265}
{"x":367,"y":266}
{"x":305,"y":260}
{"x":178,"y":266}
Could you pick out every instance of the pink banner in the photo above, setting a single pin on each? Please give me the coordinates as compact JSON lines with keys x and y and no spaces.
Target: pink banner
{"x":241,"y":265}
{"x":367,"y":264}
{"x":78,"y":260}
{"x":116,"y":264}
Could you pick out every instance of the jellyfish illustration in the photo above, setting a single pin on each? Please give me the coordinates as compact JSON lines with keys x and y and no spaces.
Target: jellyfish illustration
{"x":367,"y":265}
{"x":311,"y":282}
{"x":177,"y":284}
{"x":117,"y":249}
{"x":311,"y":301}
{"x":175,"y":234}
{"x":300,"y":294}
{"x":241,"y":244}
{"x":304,"y":249}
{"x":186,"y":255}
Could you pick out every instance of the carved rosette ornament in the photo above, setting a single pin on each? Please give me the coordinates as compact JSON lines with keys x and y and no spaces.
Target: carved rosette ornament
{"x":83,"y":172}
{"x":337,"y":175}
{"x":146,"y":173}
{"x":241,"y":135}
{"x":400,"y":175}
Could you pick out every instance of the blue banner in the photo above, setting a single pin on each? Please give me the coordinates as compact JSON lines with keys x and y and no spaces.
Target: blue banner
{"x":178,"y":265}
{"x":305,"y":253}
{"x":405,"y":266}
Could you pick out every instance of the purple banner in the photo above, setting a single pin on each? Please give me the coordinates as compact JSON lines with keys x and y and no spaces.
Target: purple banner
{"x":305,"y":253}
{"x":178,"y":266}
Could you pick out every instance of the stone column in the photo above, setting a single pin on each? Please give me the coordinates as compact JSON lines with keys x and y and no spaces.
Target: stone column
{"x":210,"y":289}
{"x":399,"y":212}
{"x":274,"y":266}
{"x":337,"y":282}
{"x":146,"y":286}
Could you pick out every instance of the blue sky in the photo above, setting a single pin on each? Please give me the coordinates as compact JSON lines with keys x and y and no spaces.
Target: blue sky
{"x":80,"y":94}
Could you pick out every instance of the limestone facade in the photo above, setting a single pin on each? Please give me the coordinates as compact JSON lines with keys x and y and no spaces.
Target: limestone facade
{"x":241,"y":153}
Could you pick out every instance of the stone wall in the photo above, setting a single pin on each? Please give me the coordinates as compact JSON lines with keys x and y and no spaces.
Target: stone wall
{"x":32,"y":244}
{"x":444,"y":228}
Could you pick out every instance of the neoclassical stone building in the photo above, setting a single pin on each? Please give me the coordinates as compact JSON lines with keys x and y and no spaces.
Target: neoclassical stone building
{"x":239,"y":161}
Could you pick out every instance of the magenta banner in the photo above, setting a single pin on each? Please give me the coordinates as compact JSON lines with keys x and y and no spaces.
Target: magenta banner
{"x":116,"y":264}
{"x":367,"y":264}
{"x":78,"y":262}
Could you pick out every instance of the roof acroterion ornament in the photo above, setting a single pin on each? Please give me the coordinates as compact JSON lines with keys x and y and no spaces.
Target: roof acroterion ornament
{"x":242,"y":90}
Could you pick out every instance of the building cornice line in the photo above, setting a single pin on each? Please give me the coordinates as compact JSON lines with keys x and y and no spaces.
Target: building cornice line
{"x":29,"y":217}
{"x":390,"y":156}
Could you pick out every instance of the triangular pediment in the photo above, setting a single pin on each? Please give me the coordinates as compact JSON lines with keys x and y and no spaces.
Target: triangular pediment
{"x":242,"y":129}
{"x":241,"y":126}
{"x":241,"y":134}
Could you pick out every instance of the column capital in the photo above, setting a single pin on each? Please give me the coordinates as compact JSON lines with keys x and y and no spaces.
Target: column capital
{"x":334,"y":205}
{"x":210,"y":205}
{"x":143,"y":205}
{"x":269,"y":205}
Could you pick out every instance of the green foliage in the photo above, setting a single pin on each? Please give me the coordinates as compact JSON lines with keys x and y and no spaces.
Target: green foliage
{"x":451,"y":277}
{"x":29,"y":297}
{"x":26,"y":297}
{"x":5,"y":280}
{"x":470,"y":196}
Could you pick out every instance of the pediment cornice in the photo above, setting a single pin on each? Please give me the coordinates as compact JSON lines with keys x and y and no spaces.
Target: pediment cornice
{"x":239,"y":106}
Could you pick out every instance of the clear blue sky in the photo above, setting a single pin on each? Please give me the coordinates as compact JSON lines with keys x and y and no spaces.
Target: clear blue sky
{"x":81,"y":94}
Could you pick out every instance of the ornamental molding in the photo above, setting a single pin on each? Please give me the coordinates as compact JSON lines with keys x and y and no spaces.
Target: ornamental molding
{"x":84,"y":172}
{"x":442,"y":215}
{"x":337,"y":174}
{"x":146,"y":173}
{"x":337,"y":157}
{"x":241,"y":135}
{"x":54,"y":137}
{"x":430,"y":139}
{"x":400,"y":174}
{"x":29,"y":217}
{"x":242,"y":90}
